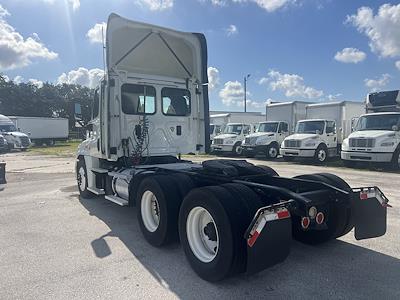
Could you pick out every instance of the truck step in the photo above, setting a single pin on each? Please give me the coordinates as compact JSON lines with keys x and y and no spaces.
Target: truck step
{"x":117,"y":200}
{"x":99,"y":171}
{"x":96,"y":191}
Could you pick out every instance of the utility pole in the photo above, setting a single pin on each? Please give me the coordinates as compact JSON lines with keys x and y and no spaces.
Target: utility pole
{"x":246,"y":78}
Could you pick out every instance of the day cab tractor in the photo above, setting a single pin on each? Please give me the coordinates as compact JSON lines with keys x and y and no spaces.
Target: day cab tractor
{"x":230,"y":216}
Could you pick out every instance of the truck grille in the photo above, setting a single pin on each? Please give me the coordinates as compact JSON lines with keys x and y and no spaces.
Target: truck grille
{"x":362,"y":143}
{"x":25,"y":141}
{"x":292,"y":143}
{"x":218,"y":141}
{"x":250,"y":141}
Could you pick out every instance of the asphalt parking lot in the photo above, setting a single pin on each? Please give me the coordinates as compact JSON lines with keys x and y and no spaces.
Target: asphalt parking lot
{"x":54,"y":245}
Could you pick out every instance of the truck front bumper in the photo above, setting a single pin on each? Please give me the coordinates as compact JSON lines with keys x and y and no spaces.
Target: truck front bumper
{"x":296,"y":152}
{"x":254,"y":148}
{"x":367,"y":156}
{"x":221,"y":148}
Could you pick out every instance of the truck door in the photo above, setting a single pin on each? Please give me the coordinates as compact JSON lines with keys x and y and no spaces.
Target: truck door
{"x":331,"y":136}
{"x":283,"y":132}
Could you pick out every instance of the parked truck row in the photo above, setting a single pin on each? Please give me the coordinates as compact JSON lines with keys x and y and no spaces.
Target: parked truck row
{"x":323,"y":130}
{"x":230,"y":216}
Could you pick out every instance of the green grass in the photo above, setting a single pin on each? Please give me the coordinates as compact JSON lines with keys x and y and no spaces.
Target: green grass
{"x":59,"y":149}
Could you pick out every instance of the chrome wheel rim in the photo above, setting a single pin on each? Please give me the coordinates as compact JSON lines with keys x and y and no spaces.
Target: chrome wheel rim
{"x":321,"y":155}
{"x":273,"y":152}
{"x":150,"y":210}
{"x":202,"y":234}
{"x":82,"y":179}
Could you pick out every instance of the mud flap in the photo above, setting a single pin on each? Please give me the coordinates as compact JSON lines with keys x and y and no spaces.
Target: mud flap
{"x":268,"y":238}
{"x":370,"y":209}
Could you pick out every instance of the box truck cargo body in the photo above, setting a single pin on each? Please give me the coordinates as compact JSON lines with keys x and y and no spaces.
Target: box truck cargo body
{"x":42,"y":130}
{"x":321,"y":134}
{"x":289,"y":112}
{"x":376,"y":137}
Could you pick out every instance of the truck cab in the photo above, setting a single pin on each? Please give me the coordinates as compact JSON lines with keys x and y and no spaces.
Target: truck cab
{"x":267,"y":139}
{"x":376,"y":138}
{"x":215,"y":129}
{"x":316,"y":138}
{"x":14,"y":138}
{"x":230,"y":141}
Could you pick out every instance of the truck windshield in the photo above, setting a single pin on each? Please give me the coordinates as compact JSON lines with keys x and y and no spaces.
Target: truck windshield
{"x":7,"y":128}
{"x":268,"y":127}
{"x":310,"y":127}
{"x":378,"y":122}
{"x":233,"y":129}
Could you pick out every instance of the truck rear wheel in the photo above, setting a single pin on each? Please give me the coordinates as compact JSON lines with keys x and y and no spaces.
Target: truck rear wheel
{"x":336,"y":217}
{"x":157,"y":209}
{"x":212,"y":223}
{"x":82,"y":179}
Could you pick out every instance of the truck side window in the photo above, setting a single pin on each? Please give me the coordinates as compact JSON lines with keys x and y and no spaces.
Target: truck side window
{"x":330,"y":127}
{"x":175,"y":102}
{"x":96,"y":103}
{"x":283,"y":127}
{"x":138,"y":99}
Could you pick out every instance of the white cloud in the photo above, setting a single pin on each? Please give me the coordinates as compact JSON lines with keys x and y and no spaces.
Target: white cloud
{"x":37,"y":83}
{"x":17,"y":52}
{"x":232,"y":94}
{"x":156,"y":4}
{"x":82,"y":76}
{"x":268,"y":5}
{"x":95,"y":34}
{"x":382,"y":29}
{"x":18,"y":79}
{"x":376,"y":84}
{"x":213,"y":77}
{"x":5,"y":77}
{"x":231,"y":30}
{"x":75,"y":4}
{"x":334,"y":97}
{"x":350,"y":55}
{"x":291,"y":84}
{"x":397,"y":63}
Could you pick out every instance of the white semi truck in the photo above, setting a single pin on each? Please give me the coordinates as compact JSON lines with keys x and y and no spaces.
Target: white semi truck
{"x":15,"y":139}
{"x":281,"y":121}
{"x":42,"y":130}
{"x":230,"y":216}
{"x":320,"y":136}
{"x":376,"y":136}
{"x":230,"y":141}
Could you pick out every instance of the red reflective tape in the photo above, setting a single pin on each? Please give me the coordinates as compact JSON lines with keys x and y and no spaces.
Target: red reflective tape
{"x":253,"y":239}
{"x":363,"y":196}
{"x":283,"y":214}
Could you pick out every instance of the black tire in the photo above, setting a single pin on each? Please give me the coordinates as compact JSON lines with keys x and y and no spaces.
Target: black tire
{"x":268,"y":170}
{"x":347,"y":210}
{"x":184,"y":183}
{"x":396,"y":160}
{"x":168,"y":198}
{"x":82,"y":179}
{"x":50,"y":143}
{"x":288,"y":158}
{"x":334,"y":219}
{"x":237,"y":149}
{"x":272,"y":151}
{"x":230,"y":216}
{"x":321,"y":154}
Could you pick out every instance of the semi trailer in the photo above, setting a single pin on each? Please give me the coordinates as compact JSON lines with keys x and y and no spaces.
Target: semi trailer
{"x":376,"y":136}
{"x":281,"y":120}
{"x":42,"y":130}
{"x":320,"y":136}
{"x":230,"y":216}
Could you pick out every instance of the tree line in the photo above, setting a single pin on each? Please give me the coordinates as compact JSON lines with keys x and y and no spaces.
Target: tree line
{"x":50,"y":100}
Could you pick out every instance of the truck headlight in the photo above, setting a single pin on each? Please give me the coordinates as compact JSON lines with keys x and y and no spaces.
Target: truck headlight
{"x":387,"y":144}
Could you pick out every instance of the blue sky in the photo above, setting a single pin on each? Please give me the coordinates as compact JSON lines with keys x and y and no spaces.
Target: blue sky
{"x":288,"y":46}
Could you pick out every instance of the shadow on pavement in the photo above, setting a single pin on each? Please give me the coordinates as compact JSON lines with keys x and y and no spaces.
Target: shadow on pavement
{"x":334,"y":270}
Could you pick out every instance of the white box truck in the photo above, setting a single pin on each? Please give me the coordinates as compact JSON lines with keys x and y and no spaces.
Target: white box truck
{"x":230,"y":216}
{"x":376,"y":136}
{"x":42,"y":130}
{"x":13,"y":137}
{"x":230,"y":141}
{"x":281,"y":121}
{"x":320,"y":136}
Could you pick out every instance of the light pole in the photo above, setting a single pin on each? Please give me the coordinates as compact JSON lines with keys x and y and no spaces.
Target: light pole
{"x":246,"y":78}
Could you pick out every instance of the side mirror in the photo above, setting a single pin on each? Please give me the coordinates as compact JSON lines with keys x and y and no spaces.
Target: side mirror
{"x":395,"y":128}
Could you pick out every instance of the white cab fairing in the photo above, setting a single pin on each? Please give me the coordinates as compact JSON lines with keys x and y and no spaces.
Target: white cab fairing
{"x":149,"y":68}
